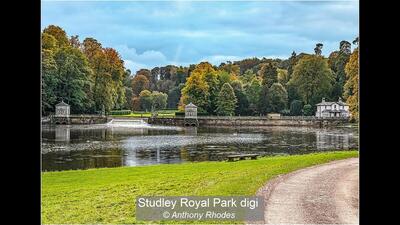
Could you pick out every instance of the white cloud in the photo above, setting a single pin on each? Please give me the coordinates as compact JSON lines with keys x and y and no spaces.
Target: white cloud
{"x":146,"y":60}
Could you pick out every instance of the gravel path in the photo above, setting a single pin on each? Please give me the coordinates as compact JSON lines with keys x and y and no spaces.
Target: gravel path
{"x":323,"y":194}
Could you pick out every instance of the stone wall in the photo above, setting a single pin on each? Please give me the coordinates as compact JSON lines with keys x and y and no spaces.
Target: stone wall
{"x":78,"y":119}
{"x":251,"y":121}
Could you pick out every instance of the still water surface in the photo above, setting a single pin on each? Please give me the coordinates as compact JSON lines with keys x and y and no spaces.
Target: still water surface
{"x":66,"y":147}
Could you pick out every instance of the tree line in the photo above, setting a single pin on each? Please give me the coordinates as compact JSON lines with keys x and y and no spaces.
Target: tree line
{"x":92,"y":78}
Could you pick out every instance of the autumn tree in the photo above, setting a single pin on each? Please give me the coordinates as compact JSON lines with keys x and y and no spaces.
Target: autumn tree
{"x":196,"y":89}
{"x":226,"y":101}
{"x":144,"y":72}
{"x":351,"y":86}
{"x":230,"y":68}
{"x":136,"y":105}
{"x":283,"y":76}
{"x":108,"y":75}
{"x":59,"y":34}
{"x":139,"y":83}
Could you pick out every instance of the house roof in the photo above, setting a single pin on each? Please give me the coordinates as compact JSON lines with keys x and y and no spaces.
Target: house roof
{"x":190,"y":105}
{"x":331,"y":103}
{"x":326,"y":103}
{"x":62,"y":103}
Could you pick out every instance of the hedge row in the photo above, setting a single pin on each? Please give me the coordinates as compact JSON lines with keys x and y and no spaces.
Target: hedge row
{"x":120,"y":112}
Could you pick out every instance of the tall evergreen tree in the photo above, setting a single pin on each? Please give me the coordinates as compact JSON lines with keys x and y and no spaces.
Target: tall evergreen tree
{"x":269,"y":74}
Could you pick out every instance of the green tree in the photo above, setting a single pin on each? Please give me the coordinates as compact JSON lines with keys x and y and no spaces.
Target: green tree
{"x":247,"y":77}
{"x":252,"y":92}
{"x":269,"y":74}
{"x":223,"y":77}
{"x":264,"y":104}
{"x":159,"y":100}
{"x":312,"y":78}
{"x":75,"y":79}
{"x":292,"y":91}
{"x":292,"y":63}
{"x":173,"y":96}
{"x":128,"y":98}
{"x":277,"y":97}
{"x":296,"y":108}
{"x":337,"y":61}
{"x":242,"y":102}
{"x":50,"y":81}
{"x":146,"y":100}
{"x":307,"y":110}
{"x":226,"y":101}
{"x":213,"y":89}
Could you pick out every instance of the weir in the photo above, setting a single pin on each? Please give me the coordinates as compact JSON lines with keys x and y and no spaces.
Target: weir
{"x":128,"y":123}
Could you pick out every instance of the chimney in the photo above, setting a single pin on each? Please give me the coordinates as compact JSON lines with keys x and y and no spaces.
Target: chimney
{"x":340,"y":99}
{"x":323,"y":99}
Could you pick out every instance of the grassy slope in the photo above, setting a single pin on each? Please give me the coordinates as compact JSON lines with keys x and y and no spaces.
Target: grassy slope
{"x":108,"y":195}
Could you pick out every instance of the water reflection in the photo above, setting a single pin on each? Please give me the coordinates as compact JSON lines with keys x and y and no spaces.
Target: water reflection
{"x":191,"y":131}
{"x":62,"y":133}
{"x":82,"y":147}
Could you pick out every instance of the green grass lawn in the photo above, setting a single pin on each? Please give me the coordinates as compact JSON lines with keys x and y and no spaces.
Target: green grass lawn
{"x":108,"y":195}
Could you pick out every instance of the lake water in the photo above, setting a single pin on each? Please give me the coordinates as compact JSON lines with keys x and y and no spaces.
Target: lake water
{"x":66,"y":147}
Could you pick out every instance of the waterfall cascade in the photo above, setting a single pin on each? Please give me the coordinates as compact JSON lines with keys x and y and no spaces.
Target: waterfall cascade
{"x":139,"y":123}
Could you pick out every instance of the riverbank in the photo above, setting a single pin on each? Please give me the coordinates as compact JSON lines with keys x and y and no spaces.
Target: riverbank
{"x":108,"y":195}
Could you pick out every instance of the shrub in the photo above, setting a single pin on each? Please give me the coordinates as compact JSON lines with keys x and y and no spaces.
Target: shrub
{"x":307,"y":110}
{"x":120,"y":112}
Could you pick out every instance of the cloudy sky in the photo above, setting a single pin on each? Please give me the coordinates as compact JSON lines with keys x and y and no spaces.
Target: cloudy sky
{"x":158,"y":33}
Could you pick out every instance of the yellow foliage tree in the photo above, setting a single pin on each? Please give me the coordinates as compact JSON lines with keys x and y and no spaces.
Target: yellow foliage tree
{"x":351,"y":86}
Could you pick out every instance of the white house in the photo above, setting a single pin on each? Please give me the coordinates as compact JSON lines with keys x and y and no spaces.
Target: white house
{"x":332,"y":109}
